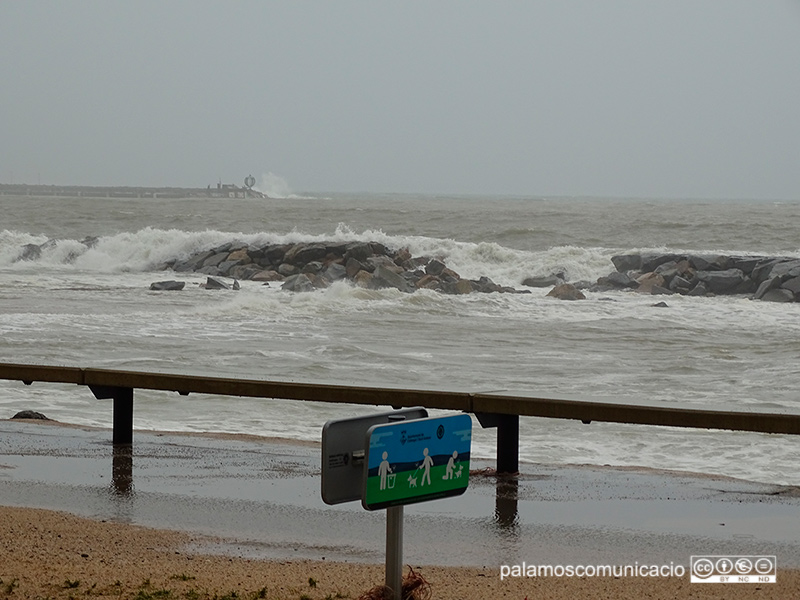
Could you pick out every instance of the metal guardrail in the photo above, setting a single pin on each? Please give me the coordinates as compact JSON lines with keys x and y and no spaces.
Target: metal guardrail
{"x":492,"y":409}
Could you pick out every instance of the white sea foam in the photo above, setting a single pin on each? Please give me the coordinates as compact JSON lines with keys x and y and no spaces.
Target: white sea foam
{"x":91,"y":306}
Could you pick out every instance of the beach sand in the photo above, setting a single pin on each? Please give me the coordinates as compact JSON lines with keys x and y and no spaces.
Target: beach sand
{"x":46,"y":554}
{"x":183,"y":517}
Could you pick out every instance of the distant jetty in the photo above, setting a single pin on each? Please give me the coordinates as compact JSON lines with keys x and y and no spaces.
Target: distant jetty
{"x":218,"y":190}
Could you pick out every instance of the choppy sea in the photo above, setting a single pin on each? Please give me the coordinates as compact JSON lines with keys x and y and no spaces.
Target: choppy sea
{"x":92,"y":307}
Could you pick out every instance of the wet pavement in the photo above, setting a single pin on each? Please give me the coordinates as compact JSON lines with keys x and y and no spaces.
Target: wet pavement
{"x":261,"y":498}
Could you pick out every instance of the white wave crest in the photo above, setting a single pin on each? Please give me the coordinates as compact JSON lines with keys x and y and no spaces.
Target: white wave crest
{"x":150,"y":248}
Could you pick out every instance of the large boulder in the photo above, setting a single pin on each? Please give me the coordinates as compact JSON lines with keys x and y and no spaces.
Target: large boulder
{"x":650,"y":262}
{"x":435,"y":267}
{"x":301,"y":282}
{"x":709,"y":262}
{"x":722,"y":282}
{"x":778,"y":295}
{"x":352,"y":267}
{"x":617,"y":280}
{"x":193,"y":263}
{"x":566,"y":291}
{"x":30,"y":414}
{"x":788,"y":269}
{"x":541,"y":281}
{"x":385,"y":277}
{"x":301,"y":254}
{"x":627,"y":262}
{"x":649,"y":281}
{"x":767,"y":285}
{"x":30,"y":252}
{"x":361,"y":251}
{"x":793,"y":285}
{"x":212,"y":283}
{"x":167,"y":286}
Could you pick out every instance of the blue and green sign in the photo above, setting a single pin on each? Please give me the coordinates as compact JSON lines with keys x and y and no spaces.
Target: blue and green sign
{"x":415,"y":461}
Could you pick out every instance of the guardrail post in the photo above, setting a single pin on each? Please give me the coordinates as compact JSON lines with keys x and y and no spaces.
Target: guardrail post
{"x":508,"y":444}
{"x":123,"y":410}
{"x":507,"y":439}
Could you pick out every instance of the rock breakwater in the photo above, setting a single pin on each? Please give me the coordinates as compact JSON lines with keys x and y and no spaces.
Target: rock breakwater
{"x":775,"y":279}
{"x":306,"y":267}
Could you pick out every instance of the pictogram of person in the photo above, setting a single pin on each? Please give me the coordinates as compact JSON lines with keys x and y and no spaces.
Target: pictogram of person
{"x":427,"y":463}
{"x":384,"y":469}
{"x":451,"y":464}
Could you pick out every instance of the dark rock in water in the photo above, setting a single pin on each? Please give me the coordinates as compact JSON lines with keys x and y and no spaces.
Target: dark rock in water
{"x":648,"y":281}
{"x":709,"y":262}
{"x":301,"y":254}
{"x":790,"y":268}
{"x":464,"y":286}
{"x":745,"y":263}
{"x":566,"y":291}
{"x":699,"y":290}
{"x":384,"y":277}
{"x":193,"y":263}
{"x":748,"y":286}
{"x":363,"y":279}
{"x":212,"y":283}
{"x":274,"y":254}
{"x":353,"y":266}
{"x":167,"y":286}
{"x":793,"y":285}
{"x":301,"y":282}
{"x":288,"y":270}
{"x":651,"y":262}
{"x":313,"y":266}
{"x":667,"y":270}
{"x":762,"y":270}
{"x":215,"y":259}
{"x":721,"y":282}
{"x":90,"y":241}
{"x":226,"y":266}
{"x":30,"y":414}
{"x":267,"y":275}
{"x":767,"y":285}
{"x":374,"y":261}
{"x":627,"y":262}
{"x":435,"y":267}
{"x":778,"y":295}
{"x":428,"y":282}
{"x":486,"y":285}
{"x":378,"y":248}
{"x":618,"y":280}
{"x":361,"y":251}
{"x":660,"y":305}
{"x":335,"y":272}
{"x":540,"y":281}
{"x":680,"y":285}
{"x":241,"y":256}
{"x":30,"y":252}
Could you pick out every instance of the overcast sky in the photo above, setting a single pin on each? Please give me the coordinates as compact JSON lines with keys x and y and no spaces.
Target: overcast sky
{"x":639,"y":98}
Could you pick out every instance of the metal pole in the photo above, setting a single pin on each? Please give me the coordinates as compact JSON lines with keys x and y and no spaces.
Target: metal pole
{"x":508,"y":444}
{"x":123,"y":416}
{"x":394,"y":550}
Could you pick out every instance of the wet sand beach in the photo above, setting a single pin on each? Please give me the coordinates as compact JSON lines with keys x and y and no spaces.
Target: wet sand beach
{"x":199,"y":516}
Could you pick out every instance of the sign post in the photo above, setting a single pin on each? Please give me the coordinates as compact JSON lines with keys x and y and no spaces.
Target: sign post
{"x":416,"y":461}
{"x":404,"y":458}
{"x":343,"y":452}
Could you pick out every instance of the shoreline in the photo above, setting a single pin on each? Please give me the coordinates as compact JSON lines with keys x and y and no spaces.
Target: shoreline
{"x":48,"y":554}
{"x":249,"y":510}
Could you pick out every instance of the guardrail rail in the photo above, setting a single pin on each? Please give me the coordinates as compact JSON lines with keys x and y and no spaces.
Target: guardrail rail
{"x":492,"y":409}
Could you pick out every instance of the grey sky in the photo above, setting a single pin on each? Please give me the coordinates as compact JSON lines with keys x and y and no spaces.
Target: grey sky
{"x":673,"y":98}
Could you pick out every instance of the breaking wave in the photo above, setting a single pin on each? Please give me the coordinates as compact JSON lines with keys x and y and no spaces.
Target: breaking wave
{"x":150,"y":248}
